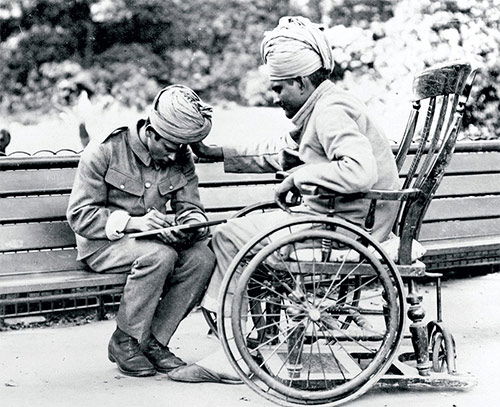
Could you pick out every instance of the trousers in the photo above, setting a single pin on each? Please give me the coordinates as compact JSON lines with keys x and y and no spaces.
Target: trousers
{"x":163,"y":286}
{"x":230,"y":237}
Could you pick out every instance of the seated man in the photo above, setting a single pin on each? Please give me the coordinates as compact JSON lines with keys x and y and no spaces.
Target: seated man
{"x":123,"y":184}
{"x":335,"y":144}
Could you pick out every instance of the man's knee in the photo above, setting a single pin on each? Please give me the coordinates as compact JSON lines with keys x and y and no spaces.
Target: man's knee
{"x":203,"y":257}
{"x":159,"y":259}
{"x":196,"y":263}
{"x":222,"y":234}
{"x":207,"y":259}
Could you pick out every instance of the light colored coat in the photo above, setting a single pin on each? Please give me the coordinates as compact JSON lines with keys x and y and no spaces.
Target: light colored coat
{"x":336,"y":145}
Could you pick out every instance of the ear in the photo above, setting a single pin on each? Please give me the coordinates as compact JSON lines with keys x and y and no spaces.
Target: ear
{"x":306,"y":83}
{"x":300,"y":82}
{"x":147,"y":133}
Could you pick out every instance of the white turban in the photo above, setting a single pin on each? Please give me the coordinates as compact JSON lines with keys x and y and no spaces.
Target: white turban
{"x":179,"y":115}
{"x":296,"y":47}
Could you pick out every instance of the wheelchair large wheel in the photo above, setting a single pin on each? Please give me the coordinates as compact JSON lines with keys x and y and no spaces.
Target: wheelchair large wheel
{"x":301,"y":328}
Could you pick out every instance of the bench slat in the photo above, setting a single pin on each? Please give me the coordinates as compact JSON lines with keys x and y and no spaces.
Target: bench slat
{"x":45,"y":181}
{"x":39,"y":262}
{"x":57,"y":281}
{"x":463,"y":208}
{"x":468,"y":163}
{"x":36,"y":182}
{"x":233,"y":198}
{"x":459,"y":229}
{"x":36,"y":236}
{"x":466,"y":185}
{"x":53,"y":207}
{"x":33,"y":208}
{"x":51,"y":235}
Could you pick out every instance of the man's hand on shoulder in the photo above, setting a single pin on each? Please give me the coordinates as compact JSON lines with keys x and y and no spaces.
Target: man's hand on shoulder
{"x":211,"y":153}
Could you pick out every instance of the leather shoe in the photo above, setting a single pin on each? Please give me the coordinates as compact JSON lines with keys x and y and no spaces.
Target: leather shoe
{"x":124,"y":350}
{"x":197,"y":374}
{"x":160,"y":356}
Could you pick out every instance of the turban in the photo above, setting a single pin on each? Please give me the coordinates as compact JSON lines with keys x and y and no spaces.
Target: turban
{"x":296,"y":47}
{"x":179,"y":115}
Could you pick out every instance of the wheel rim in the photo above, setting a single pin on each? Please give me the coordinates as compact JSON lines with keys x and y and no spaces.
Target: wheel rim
{"x":358,"y":383}
{"x":211,"y":320}
{"x":439,"y":353}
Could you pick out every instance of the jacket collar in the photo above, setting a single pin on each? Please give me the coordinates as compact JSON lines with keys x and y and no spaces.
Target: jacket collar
{"x":305,"y":111}
{"x":136,"y":144}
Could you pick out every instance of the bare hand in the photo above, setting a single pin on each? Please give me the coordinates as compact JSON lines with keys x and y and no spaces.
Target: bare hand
{"x":153,"y":219}
{"x":211,"y":153}
{"x":282,"y":191}
{"x":173,"y":236}
{"x":187,"y":238}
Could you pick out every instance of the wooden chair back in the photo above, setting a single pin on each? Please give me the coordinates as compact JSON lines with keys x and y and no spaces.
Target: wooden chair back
{"x":443,"y":91}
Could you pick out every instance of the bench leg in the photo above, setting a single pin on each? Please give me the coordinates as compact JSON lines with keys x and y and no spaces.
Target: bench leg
{"x":101,"y":310}
{"x":418,"y":329}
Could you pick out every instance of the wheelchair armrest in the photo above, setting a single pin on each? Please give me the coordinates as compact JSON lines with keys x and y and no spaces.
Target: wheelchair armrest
{"x":387,"y":195}
{"x":394,"y":195}
{"x":281,"y":175}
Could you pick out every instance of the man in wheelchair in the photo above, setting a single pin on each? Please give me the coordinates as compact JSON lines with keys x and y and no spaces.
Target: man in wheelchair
{"x":335,"y":145}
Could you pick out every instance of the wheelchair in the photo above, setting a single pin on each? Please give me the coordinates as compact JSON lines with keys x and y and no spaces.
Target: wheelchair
{"x":312,"y":310}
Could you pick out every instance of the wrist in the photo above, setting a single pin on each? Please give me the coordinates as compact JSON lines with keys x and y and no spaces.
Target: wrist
{"x":133,"y":224}
{"x":214,"y":153}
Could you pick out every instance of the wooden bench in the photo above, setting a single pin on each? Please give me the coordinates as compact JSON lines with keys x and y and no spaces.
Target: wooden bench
{"x":38,"y":268}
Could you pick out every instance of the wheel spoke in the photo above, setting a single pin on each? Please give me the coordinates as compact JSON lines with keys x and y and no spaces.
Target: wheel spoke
{"x":344,"y":332}
{"x":319,"y":355}
{"x":332,"y":289}
{"x":291,"y":331}
{"x":299,"y":353}
{"x":248,"y":297}
{"x":322,"y":329}
{"x":272,"y":290}
{"x":357,"y":289}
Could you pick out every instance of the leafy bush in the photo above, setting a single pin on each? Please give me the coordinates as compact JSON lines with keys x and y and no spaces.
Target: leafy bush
{"x":378,"y":62}
{"x":128,"y":49}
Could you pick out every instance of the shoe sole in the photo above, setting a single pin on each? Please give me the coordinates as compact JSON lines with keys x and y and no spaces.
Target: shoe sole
{"x":166,"y":371}
{"x":207,"y":380}
{"x":221,"y":381}
{"x":132,"y":373}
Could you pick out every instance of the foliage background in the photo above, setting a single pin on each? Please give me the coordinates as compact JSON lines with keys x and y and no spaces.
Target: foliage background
{"x":122,"y":51}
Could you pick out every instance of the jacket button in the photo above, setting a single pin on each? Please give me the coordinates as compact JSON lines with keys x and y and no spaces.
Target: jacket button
{"x":171,"y":187}
{"x":147,"y":184}
{"x":122,"y":186}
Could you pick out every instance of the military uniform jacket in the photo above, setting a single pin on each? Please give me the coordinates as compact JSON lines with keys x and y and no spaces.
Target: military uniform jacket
{"x":118,"y":176}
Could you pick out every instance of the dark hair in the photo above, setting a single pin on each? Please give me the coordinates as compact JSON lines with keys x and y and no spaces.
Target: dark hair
{"x":319,"y":76}
{"x":316,"y":78}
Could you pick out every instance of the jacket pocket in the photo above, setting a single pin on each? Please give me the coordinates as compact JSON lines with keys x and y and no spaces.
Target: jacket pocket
{"x":124,"y":182}
{"x":174,"y":182}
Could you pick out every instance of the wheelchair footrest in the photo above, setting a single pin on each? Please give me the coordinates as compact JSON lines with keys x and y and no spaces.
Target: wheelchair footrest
{"x":403,"y":374}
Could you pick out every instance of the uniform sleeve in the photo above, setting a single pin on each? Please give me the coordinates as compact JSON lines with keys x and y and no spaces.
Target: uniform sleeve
{"x":352,"y":167}
{"x":186,"y":202}
{"x":87,"y":213}
{"x":263,"y":156}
